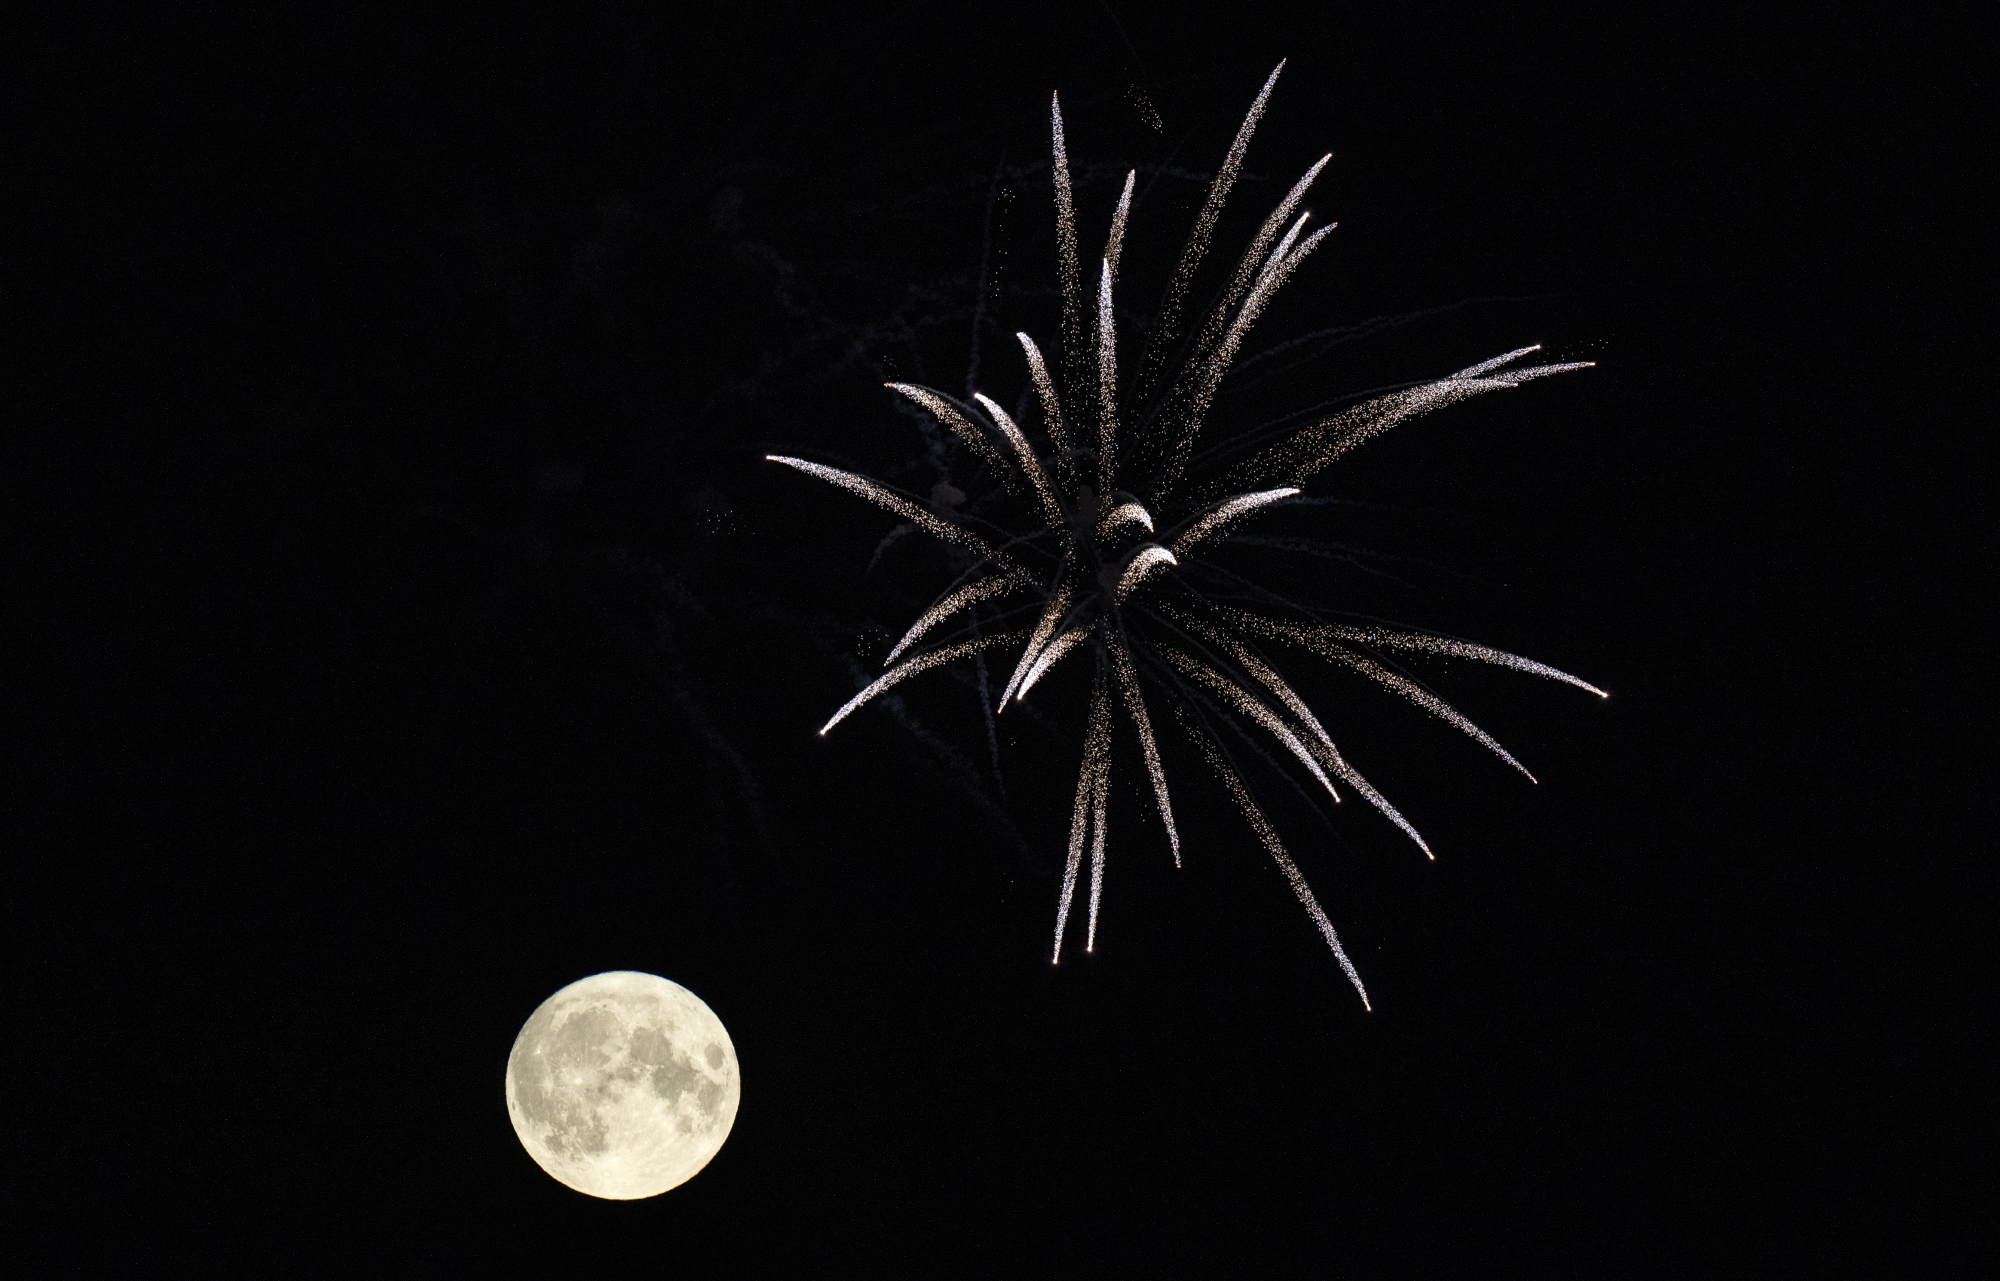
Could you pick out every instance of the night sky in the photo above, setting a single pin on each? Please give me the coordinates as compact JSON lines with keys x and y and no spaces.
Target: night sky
{"x":413,"y":627}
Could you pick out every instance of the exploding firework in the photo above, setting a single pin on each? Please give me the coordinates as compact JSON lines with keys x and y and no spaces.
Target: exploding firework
{"x":1107,"y":563}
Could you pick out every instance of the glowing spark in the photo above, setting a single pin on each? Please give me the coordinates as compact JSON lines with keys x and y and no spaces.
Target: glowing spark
{"x":1254,"y":710}
{"x":1052,"y":419}
{"x":1293,"y":877}
{"x":1051,"y":509}
{"x":1135,"y":707}
{"x":960,"y":425}
{"x":1384,"y":638}
{"x":1116,"y":240}
{"x":970,"y":594}
{"x":1329,"y":755}
{"x":1144,"y":562}
{"x":884,"y":497}
{"x":1125,"y":514}
{"x":1165,"y":329}
{"x":1213,"y":522}
{"x":1107,"y":384}
{"x":1089,"y":802}
{"x":1066,"y":260}
{"x":1052,"y":615}
{"x":921,"y":663}
{"x":1062,"y":645}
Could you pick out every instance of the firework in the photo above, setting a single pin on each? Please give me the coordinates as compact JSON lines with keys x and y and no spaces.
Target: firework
{"x":1111,"y":569}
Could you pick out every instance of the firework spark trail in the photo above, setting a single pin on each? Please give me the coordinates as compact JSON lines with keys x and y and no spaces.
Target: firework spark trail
{"x":1099,"y":795}
{"x":1091,"y":594}
{"x":1421,"y":697}
{"x":960,"y":425}
{"x":1096,"y":761}
{"x":1248,"y":267}
{"x":1147,"y":559}
{"x":1052,"y":418}
{"x":1444,"y":646}
{"x":970,"y":594}
{"x":882,"y":496}
{"x":1124,"y":514}
{"x":1228,"y":511}
{"x":1248,"y":705}
{"x":1329,"y":754}
{"x":1320,"y":445}
{"x":1164,"y":329}
{"x":1066,"y":259}
{"x":1107,"y":385}
{"x":1272,"y":279}
{"x":1211,"y":367}
{"x":1135,"y":707}
{"x":911,"y":667}
{"x":1045,"y":626}
{"x":1050,"y":656}
{"x":1473,"y":371}
{"x":1116,"y":240}
{"x":1268,"y":834}
{"x":1031,"y":465}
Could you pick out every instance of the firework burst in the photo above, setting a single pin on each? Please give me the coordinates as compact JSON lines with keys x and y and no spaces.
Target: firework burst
{"x":1109,"y":567}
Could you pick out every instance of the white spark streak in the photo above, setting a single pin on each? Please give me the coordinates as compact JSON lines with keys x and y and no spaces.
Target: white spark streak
{"x":961,"y":426}
{"x":1107,"y":384}
{"x":1255,"y":254}
{"x":921,"y":663}
{"x":883,"y":497}
{"x":1293,"y":877}
{"x":1066,"y":260}
{"x":1032,"y":466}
{"x":1116,"y":240}
{"x":1211,"y":209}
{"x":1050,"y":656}
{"x":1144,"y":562}
{"x":1135,"y":707}
{"x":1422,"y":698}
{"x":1052,"y":419}
{"x":1320,"y":445}
{"x":1440,"y":645}
{"x":1124,"y":514}
{"x":1328,"y":754}
{"x":1226,"y":512}
{"x":1473,"y":371}
{"x":1256,"y":711}
{"x":1098,"y":796}
{"x":970,"y":594}
{"x":1211,"y":367}
{"x":1090,"y":786}
{"x":1045,"y":626}
{"x":1317,"y":640}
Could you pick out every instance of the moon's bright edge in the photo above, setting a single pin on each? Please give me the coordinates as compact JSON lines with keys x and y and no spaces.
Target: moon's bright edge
{"x":623,"y":1085}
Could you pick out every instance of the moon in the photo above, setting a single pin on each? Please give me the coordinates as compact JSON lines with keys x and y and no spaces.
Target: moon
{"x":623,"y":1085}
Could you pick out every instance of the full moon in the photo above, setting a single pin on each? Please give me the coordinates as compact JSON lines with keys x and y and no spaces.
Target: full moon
{"x":623,"y":1085}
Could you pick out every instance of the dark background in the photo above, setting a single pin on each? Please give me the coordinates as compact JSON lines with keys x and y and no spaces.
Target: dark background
{"x":412,"y":628}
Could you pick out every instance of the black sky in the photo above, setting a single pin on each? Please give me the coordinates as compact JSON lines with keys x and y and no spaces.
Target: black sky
{"x":413,"y":629}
